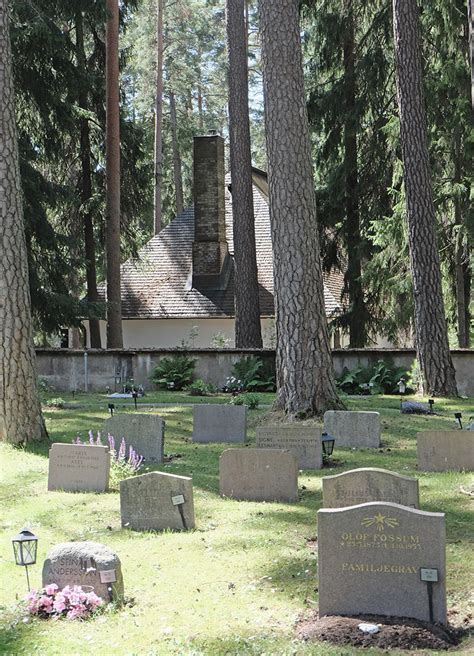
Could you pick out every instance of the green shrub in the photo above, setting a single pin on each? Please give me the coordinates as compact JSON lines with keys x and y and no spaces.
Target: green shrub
{"x":379,"y":378}
{"x":200,"y":388}
{"x":55,"y":403}
{"x":249,"y":373}
{"x":174,"y":372}
{"x":250,"y":399}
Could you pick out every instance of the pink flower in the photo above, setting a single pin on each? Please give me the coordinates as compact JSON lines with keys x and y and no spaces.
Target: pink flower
{"x":45,"y":604}
{"x":75,"y":613}
{"x":51,"y":589}
{"x":59,"y":603}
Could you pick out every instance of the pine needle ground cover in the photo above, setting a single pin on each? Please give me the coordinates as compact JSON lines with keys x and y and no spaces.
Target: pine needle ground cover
{"x":237,"y":583}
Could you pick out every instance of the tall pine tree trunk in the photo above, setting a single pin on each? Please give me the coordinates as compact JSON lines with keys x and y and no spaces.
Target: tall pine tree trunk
{"x":248,"y":332}
{"x":112,"y":157}
{"x":86,"y":184}
{"x":461,"y":256}
{"x":470,"y":17}
{"x":305,"y":374}
{"x":177,"y":171}
{"x":358,"y":312}
{"x":158,"y":116}
{"x":431,"y":334}
{"x":21,"y":420}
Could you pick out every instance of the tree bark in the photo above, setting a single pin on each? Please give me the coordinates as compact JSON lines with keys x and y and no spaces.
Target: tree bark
{"x":248,"y":333}
{"x":461,"y":257}
{"x":431,"y":334}
{"x":470,"y":17}
{"x":158,"y":116}
{"x":86,"y":187}
{"x":21,"y":420}
{"x":112,"y":159}
{"x":357,"y":309}
{"x":177,"y":171}
{"x":305,"y":374}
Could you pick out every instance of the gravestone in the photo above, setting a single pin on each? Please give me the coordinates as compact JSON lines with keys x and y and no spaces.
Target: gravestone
{"x":88,"y":564}
{"x":372,"y":559}
{"x":369,"y":484}
{"x":356,"y":429}
{"x":145,"y":432}
{"x":303,"y":441}
{"x":156,"y":501}
{"x":78,"y":468}
{"x":213,"y":422}
{"x":440,"y":450}
{"x":258,"y":475}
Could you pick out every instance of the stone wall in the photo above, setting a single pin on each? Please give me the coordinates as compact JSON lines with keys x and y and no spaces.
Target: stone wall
{"x":93,"y":370}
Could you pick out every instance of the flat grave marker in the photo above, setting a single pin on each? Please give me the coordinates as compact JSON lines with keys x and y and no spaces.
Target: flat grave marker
{"x":78,"y":468}
{"x":217,"y":422}
{"x":371,"y":557}
{"x":303,"y":441}
{"x":369,"y":484}
{"x":439,"y":451}
{"x":351,"y":428}
{"x":258,"y":475}
{"x":145,"y":432}
{"x":157,"y":501}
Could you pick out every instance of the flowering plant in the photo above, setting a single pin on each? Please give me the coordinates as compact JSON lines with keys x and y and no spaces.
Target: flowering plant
{"x":134,"y":460}
{"x":71,"y":602}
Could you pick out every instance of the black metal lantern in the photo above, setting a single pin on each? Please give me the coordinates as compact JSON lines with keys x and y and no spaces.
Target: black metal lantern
{"x":327,"y":442}
{"x":431,"y":404}
{"x":25,"y":545}
{"x":135,"y":397}
{"x":458,"y":417}
{"x":111,"y":409}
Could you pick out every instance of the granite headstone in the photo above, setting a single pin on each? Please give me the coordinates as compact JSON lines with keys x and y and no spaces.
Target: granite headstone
{"x":145,"y":432}
{"x":303,"y":441}
{"x":369,"y":484}
{"x":258,"y":475}
{"x":78,"y":468}
{"x":88,"y":564}
{"x":371,"y":557}
{"x":157,"y":501}
{"x":213,"y":422}
{"x":355,"y":429}
{"x":440,"y":451}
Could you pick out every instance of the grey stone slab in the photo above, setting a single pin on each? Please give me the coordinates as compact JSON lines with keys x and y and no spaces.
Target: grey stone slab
{"x":369,"y":484}
{"x":88,"y":564}
{"x":356,"y":429}
{"x":370,"y":557}
{"x":157,"y":501}
{"x":78,"y":468}
{"x":445,"y":450}
{"x":258,"y":475}
{"x":145,"y":432}
{"x":303,"y":441}
{"x":213,"y":422}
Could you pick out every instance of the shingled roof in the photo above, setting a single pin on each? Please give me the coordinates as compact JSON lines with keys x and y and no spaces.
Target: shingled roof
{"x":158,"y":283}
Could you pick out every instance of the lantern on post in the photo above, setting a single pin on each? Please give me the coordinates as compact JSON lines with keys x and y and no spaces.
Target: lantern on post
{"x":402,"y":388}
{"x":25,"y":545}
{"x":327,"y":442}
{"x":458,"y":417}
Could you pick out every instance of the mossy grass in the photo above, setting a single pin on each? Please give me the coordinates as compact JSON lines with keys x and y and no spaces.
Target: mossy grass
{"x":238,"y":582}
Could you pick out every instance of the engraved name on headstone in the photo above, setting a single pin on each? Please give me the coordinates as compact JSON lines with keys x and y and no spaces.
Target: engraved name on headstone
{"x":78,"y":468}
{"x":370,"y":558}
{"x":303,"y":441}
{"x":369,"y":484}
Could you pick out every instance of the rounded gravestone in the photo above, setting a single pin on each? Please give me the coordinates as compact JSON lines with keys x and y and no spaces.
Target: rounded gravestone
{"x":88,"y":564}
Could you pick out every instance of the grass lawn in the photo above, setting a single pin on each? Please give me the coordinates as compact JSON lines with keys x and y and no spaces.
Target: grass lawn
{"x":238,"y":582}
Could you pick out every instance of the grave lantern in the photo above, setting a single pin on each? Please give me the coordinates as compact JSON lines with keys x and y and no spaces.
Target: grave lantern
{"x":402,"y":388}
{"x":431,"y":404}
{"x":327,"y":442}
{"x":111,"y":409}
{"x":25,"y":545}
{"x":135,"y":397}
{"x":458,"y":417}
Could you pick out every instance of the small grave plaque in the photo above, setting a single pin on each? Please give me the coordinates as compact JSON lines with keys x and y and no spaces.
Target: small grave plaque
{"x":145,"y":432}
{"x":213,"y":422}
{"x":157,"y":501}
{"x":303,"y":441}
{"x":370,"y":557}
{"x":429,"y":575}
{"x":258,"y":475}
{"x":369,"y":484}
{"x":445,"y":450}
{"x":78,"y":468}
{"x":88,"y":564}
{"x":356,"y":429}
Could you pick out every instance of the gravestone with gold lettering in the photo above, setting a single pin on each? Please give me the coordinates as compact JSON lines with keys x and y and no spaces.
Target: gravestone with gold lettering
{"x":78,"y":468}
{"x":445,"y":450}
{"x":369,"y":484}
{"x":157,"y":501}
{"x":91,"y":565}
{"x":304,"y":441}
{"x":382,"y":559}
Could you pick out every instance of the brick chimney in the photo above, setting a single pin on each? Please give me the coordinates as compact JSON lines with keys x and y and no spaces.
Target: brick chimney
{"x":211,"y":262}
